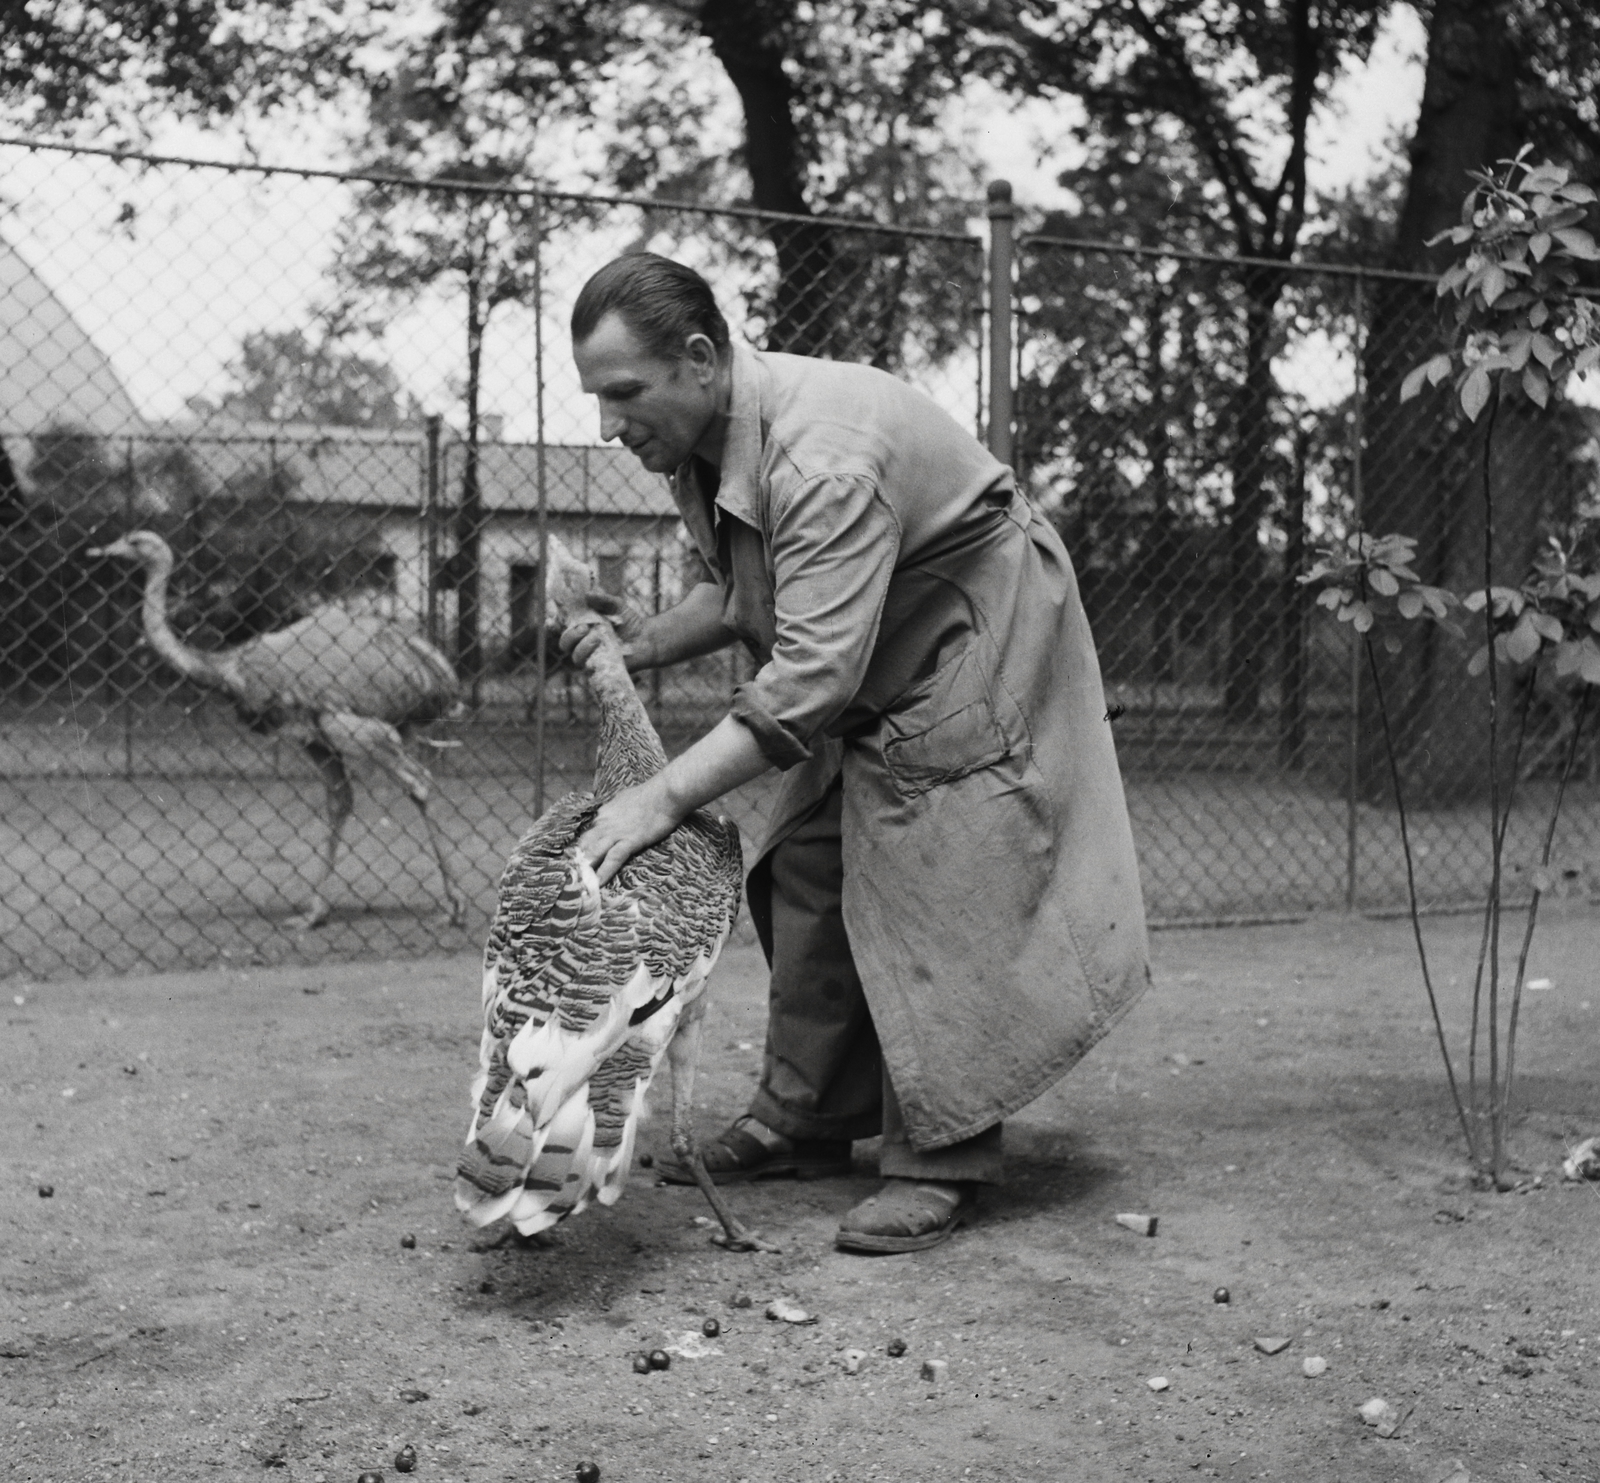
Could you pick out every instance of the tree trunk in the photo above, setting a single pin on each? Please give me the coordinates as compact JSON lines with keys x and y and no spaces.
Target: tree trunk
{"x":1249,"y":622}
{"x":1421,"y":472}
{"x":751,"y":40}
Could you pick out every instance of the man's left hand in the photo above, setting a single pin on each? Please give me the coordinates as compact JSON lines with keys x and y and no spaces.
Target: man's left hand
{"x":634,"y":820}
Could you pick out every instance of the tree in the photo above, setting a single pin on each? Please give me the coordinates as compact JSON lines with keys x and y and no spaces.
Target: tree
{"x":1498,"y":73}
{"x":484,"y":242}
{"x":117,"y":64}
{"x":286,"y":376}
{"x":1229,"y":90}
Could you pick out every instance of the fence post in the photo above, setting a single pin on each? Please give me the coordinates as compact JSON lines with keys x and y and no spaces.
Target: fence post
{"x":1358,"y":435}
{"x":1002,"y":253}
{"x":430,"y":529}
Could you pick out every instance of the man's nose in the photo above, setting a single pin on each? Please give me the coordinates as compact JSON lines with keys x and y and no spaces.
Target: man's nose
{"x":611,"y":423}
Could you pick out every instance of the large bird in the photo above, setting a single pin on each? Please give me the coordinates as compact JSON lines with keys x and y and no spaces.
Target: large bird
{"x":344,"y":687}
{"x":586,"y":988}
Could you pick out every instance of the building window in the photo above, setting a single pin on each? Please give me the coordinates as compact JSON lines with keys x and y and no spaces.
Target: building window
{"x":524,"y":603}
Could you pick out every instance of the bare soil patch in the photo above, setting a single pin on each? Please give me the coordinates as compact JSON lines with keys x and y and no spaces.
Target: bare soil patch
{"x":217,"y":1286}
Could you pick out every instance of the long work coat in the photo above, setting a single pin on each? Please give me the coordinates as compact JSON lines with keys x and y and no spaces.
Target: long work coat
{"x":918,"y":626}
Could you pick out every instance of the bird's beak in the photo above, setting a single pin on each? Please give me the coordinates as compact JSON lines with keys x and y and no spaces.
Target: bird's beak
{"x":116,"y":548}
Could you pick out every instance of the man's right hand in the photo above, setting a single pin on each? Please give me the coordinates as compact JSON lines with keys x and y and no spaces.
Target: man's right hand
{"x":579,"y":640}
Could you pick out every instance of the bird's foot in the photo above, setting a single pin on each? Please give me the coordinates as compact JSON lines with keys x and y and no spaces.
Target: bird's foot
{"x":740,"y":1239}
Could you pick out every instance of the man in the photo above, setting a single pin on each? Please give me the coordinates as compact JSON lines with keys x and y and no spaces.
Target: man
{"x":947,"y":893}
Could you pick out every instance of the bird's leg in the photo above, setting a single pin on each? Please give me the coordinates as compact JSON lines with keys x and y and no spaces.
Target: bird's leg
{"x":340,"y":803}
{"x":683,"y":1054}
{"x":418,"y":783}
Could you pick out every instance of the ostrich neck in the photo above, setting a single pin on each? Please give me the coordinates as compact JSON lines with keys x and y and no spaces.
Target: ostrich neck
{"x":190,"y":663}
{"x":630,"y":751}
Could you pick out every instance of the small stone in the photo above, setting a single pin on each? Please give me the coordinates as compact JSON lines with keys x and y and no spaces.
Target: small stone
{"x":46,"y":1191}
{"x":895,"y":1348}
{"x":935,"y":1371}
{"x":852,"y":1361}
{"x":588,"y":1472}
{"x":412,"y":1395}
{"x":646,"y":1161}
{"x":660,"y":1359}
{"x":711,"y":1328}
{"x":742,"y":1300}
{"x":372,"y":1475}
{"x":784,"y":1311}
{"x":1158,"y":1382}
{"x":1141,"y":1225}
{"x":1222,"y":1295}
{"x":1313,"y":1365}
{"x":405,"y":1460}
{"x":1377,"y":1412}
{"x":641,"y":1363}
{"x":409,"y":1241}
{"x":1271,"y":1344}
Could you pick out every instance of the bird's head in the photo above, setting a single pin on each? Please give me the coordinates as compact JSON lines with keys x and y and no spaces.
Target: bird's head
{"x":143,"y":546}
{"x":568,"y":583}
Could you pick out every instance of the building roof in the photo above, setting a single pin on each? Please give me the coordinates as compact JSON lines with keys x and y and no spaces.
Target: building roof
{"x":51,"y":373}
{"x":387,"y":467}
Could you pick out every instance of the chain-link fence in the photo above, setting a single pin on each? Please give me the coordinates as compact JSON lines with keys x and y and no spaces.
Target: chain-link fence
{"x":327,"y":401}
{"x":343,"y":411}
{"x":1195,"y":425}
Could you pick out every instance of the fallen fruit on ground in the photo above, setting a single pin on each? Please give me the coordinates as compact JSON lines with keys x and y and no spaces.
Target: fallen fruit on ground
{"x":405,"y":1460}
{"x":408,"y":1241}
{"x":895,"y":1348}
{"x":659,"y":1359}
{"x":641,"y":1363}
{"x":588,"y":1472}
{"x":711,"y":1328}
{"x":1222,"y":1295}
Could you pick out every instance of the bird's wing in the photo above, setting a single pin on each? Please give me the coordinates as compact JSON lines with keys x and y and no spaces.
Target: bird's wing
{"x":582,"y":990}
{"x":333,"y":661}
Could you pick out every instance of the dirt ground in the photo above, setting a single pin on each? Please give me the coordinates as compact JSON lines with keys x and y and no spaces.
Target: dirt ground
{"x":217,"y":1288}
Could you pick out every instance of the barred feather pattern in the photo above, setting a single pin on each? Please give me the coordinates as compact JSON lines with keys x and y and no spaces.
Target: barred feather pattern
{"x":583,"y":989}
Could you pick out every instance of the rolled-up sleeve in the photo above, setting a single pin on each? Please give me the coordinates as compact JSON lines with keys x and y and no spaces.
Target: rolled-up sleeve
{"x":834,"y":545}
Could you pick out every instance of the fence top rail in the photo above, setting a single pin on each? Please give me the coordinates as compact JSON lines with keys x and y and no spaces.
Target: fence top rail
{"x":486,"y":188}
{"x":1190,"y":255}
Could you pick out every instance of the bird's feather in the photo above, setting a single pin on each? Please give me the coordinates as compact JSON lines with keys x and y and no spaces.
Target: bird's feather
{"x":583,"y":989}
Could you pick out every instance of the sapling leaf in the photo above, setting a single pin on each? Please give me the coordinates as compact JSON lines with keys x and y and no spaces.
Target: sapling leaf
{"x":1414,"y":382}
{"x":1479,"y":662}
{"x":1539,"y":245}
{"x":1522,"y":643}
{"x":1383,"y":582}
{"x":1475,"y":392}
{"x":1576,"y":191}
{"x":1392,"y":644}
{"x":1409,"y":604}
{"x":1579,"y":244}
{"x":1363,"y":617}
{"x":1535,"y":387}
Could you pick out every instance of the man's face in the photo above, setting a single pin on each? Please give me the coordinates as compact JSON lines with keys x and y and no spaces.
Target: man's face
{"x":658,"y":408}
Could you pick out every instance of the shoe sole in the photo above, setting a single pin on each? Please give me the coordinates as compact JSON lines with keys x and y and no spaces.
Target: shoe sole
{"x":864,"y":1241}
{"x":786,"y":1169}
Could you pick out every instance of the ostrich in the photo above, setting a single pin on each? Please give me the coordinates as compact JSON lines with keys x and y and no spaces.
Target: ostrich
{"x":586,"y":989}
{"x":343,"y":687}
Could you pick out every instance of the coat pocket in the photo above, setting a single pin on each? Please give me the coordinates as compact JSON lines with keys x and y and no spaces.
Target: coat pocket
{"x":955,"y":722}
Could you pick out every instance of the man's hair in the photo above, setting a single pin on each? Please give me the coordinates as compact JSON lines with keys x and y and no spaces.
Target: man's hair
{"x":661,"y":301}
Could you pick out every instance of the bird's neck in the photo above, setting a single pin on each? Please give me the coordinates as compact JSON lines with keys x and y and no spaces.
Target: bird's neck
{"x":190,"y":663}
{"x":630,"y":752}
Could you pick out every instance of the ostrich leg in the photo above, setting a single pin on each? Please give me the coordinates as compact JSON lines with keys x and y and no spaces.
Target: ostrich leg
{"x":381,"y":742}
{"x":683,"y":1054}
{"x":340,"y":802}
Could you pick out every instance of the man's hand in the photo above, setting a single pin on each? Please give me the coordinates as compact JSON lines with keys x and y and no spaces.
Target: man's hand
{"x":632,"y":821}
{"x":579,"y":639}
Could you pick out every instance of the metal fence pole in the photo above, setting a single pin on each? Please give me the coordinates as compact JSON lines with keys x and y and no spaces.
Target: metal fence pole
{"x":1002,"y":254}
{"x":543,"y":528}
{"x":430,"y":529}
{"x":1353,"y":761}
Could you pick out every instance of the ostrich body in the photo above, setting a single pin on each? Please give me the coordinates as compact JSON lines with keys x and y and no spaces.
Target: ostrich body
{"x":343,"y":687}
{"x":587,"y":988}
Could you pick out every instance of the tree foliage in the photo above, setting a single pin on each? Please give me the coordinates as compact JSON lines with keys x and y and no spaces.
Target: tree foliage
{"x":289,"y":376}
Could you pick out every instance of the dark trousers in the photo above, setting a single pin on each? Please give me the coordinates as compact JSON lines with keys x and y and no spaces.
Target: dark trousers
{"x":824,"y":1075}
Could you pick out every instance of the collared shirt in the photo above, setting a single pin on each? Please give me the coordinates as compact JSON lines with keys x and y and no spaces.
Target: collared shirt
{"x":834,"y":478}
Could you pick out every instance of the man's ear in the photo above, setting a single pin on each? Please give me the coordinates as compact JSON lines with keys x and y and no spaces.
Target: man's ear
{"x":701,"y":356}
